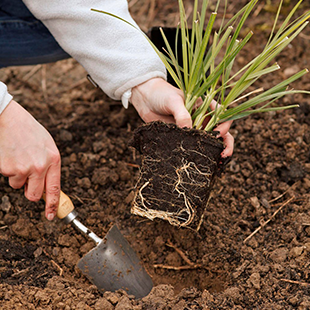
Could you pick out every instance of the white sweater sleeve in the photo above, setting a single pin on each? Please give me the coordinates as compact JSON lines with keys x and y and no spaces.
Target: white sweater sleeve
{"x":5,"y":97}
{"x":117,"y":56}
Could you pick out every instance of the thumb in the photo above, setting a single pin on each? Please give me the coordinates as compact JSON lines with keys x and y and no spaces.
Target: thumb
{"x":181,"y":115}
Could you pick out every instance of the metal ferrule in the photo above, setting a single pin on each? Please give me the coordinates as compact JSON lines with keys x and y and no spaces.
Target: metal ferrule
{"x":70,"y":217}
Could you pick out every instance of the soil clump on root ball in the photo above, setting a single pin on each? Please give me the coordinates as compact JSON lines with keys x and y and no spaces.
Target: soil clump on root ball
{"x":178,"y":169}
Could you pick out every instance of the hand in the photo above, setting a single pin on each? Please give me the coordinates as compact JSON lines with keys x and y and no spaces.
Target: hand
{"x":223,"y":130}
{"x":156,"y":99}
{"x":228,"y":139}
{"x":29,"y":157}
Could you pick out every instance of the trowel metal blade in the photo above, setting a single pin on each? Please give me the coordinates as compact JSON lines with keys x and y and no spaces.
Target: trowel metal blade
{"x":113,"y":265}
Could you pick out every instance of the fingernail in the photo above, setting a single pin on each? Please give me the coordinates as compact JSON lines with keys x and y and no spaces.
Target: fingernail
{"x":50,"y":216}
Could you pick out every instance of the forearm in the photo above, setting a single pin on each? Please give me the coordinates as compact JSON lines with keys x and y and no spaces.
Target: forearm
{"x":115,"y":54}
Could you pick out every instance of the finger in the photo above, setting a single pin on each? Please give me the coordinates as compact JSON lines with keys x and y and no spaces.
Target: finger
{"x":198,"y":103}
{"x":181,"y":115}
{"x":223,"y":128}
{"x":183,"y":119}
{"x":17,"y":181}
{"x":229,"y":142}
{"x":214,"y":104}
{"x":52,"y":190}
{"x":34,"y":188}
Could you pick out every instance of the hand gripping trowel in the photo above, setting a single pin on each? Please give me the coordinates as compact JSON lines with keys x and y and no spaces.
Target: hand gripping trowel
{"x":112,"y":264}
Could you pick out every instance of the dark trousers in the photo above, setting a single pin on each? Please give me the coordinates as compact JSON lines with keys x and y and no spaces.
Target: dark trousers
{"x":24,"y":40}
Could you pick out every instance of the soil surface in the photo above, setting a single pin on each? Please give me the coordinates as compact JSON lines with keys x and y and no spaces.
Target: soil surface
{"x":253,"y":249}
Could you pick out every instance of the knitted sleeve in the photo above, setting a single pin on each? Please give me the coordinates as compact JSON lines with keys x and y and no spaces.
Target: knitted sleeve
{"x":117,"y":56}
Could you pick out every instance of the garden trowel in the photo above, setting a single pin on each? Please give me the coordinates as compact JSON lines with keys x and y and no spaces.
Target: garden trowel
{"x":112,"y":264}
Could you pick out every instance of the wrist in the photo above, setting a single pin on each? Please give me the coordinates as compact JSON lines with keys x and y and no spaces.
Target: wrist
{"x":148,"y":85}
{"x":141,"y":91}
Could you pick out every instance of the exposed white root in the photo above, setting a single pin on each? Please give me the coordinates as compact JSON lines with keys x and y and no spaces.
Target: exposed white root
{"x":187,"y":179}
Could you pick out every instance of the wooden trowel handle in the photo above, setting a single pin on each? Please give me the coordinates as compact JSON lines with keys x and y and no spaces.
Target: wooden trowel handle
{"x":65,"y":206}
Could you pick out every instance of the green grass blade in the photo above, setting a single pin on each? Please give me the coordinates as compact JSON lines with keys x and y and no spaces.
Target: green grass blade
{"x":248,"y":113}
{"x":198,"y":60}
{"x":262,"y":72}
{"x":244,"y":17}
{"x":194,"y":29}
{"x":184,"y":31}
{"x":228,"y":67}
{"x":216,"y":48}
{"x":275,"y":23}
{"x":204,"y":8}
{"x":228,"y":114}
{"x":285,"y":23}
{"x":173,"y":59}
{"x":176,"y":43}
{"x":270,"y":97}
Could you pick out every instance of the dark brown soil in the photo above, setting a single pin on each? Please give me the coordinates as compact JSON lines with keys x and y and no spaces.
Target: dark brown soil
{"x":177,"y":173}
{"x":264,"y":190}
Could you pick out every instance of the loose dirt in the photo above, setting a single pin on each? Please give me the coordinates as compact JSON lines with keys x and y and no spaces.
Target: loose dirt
{"x":253,"y":248}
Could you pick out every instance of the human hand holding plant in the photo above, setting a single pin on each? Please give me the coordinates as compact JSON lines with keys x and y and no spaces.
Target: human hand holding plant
{"x":29,"y":157}
{"x":156,"y":99}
